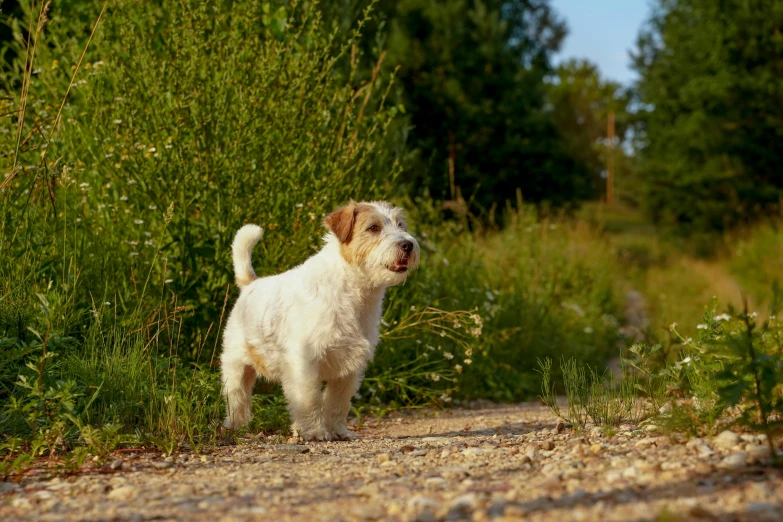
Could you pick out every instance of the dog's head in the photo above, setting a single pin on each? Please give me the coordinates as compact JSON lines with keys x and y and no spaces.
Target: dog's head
{"x":374,"y":237}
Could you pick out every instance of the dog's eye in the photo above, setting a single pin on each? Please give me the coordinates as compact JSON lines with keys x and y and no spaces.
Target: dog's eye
{"x":374,"y":228}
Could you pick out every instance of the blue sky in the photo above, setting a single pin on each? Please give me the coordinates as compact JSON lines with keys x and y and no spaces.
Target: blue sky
{"x":602,"y":31}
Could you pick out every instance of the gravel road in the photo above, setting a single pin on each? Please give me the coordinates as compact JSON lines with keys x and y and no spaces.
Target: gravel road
{"x":485,"y":463}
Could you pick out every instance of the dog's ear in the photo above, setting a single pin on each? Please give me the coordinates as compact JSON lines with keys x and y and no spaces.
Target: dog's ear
{"x":341,"y":221}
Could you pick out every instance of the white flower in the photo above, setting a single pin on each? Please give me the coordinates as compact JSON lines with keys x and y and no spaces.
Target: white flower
{"x":468,"y":361}
{"x":167,"y":281}
{"x":299,"y":205}
{"x":723,"y":317}
{"x":123,"y":198}
{"x":152,"y":149}
{"x":435,"y":377}
{"x":458,"y":367}
{"x":107,"y":303}
{"x":445,"y":261}
{"x":138,"y":221}
{"x":701,"y":326}
{"x":117,"y":122}
{"x":152,"y":207}
{"x":413,"y":308}
{"x":490,"y":296}
{"x":448,"y":355}
{"x":672,"y":326}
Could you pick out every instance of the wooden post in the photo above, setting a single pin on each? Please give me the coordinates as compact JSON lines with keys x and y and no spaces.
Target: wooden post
{"x":610,"y":159}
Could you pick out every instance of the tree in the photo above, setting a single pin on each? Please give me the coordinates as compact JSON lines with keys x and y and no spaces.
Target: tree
{"x":472,"y":79}
{"x":580,"y":105}
{"x":711,"y":92}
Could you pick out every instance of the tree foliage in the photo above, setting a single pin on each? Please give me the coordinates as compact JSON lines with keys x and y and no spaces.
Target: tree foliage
{"x":472,"y":79}
{"x":711,"y":93}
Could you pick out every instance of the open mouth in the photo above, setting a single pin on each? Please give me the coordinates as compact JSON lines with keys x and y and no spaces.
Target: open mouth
{"x":399,"y":266}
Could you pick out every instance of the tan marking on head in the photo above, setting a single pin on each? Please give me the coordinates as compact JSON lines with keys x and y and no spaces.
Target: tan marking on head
{"x":363,"y":240}
{"x":340,"y":222}
{"x":257,"y":361}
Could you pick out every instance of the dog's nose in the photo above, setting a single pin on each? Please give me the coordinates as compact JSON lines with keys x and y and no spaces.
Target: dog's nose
{"x":407,"y":246}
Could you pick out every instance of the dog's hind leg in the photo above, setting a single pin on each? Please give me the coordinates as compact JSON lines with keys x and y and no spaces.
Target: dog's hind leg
{"x":238,"y":379}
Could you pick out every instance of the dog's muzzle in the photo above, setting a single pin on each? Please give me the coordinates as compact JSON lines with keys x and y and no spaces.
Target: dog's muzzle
{"x":401,"y":265}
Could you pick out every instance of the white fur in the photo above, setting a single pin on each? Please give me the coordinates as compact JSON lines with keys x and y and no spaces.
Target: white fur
{"x":315,"y":323}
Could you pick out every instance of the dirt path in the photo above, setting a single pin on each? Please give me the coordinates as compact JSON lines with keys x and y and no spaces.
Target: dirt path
{"x":496,"y":462}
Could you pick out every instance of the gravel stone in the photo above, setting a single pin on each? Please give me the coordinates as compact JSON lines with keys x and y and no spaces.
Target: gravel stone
{"x":291,"y":449}
{"x":734,"y":461}
{"x":726,"y":440}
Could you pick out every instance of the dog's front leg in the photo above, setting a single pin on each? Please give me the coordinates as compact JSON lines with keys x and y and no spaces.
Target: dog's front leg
{"x":302,"y":389}
{"x":337,"y":402}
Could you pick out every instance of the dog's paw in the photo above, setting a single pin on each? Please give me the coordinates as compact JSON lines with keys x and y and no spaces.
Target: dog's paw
{"x":343,"y":434}
{"x":315,"y":434}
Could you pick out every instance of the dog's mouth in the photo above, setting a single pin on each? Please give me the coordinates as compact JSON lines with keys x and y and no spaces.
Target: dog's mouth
{"x":399,"y":266}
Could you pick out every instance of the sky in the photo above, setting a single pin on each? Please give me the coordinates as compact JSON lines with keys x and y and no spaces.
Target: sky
{"x":603,"y":31}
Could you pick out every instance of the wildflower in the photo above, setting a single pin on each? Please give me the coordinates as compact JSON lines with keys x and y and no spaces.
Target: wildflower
{"x":443,"y":334}
{"x":754,"y":314}
{"x":469,"y":352}
{"x":134,"y":254}
{"x":167,"y":281}
{"x":457,"y":325}
{"x":152,"y":149}
{"x":152,"y":207}
{"x":117,"y":122}
{"x":123,"y":198}
{"x":384,"y":323}
{"x":107,"y":303}
{"x":672,"y":326}
{"x":418,"y":341}
{"x":458,"y":367}
{"x":723,"y":317}
{"x":701,"y":326}
{"x":468,"y":361}
{"x":299,"y":205}
{"x":430,"y":347}
{"x":138,"y":221}
{"x":490,"y":296}
{"x":448,"y":355}
{"x":445,"y":261}
{"x":444,"y":397}
{"x":372,"y":390}
{"x":413,"y":308}
{"x":435,"y":377}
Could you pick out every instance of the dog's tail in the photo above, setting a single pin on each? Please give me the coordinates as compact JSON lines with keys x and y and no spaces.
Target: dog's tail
{"x":244,"y":241}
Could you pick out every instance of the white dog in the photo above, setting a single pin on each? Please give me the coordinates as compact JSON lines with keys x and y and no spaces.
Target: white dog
{"x":317,"y":322}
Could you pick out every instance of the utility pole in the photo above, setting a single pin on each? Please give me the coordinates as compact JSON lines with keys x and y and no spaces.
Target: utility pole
{"x":610,"y":159}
